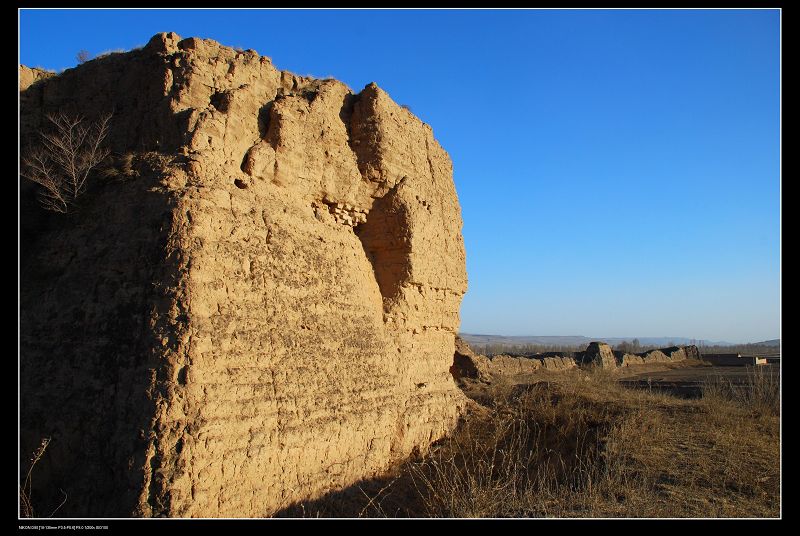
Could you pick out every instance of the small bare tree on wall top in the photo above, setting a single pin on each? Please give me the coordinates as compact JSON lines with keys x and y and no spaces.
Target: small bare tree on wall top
{"x":83,"y":56}
{"x":63,"y":161}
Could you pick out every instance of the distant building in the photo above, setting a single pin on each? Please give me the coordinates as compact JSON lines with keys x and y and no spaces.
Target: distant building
{"x":733,"y":360}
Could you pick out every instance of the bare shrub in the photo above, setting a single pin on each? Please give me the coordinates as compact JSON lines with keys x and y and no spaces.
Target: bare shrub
{"x":83,"y":56}
{"x":63,"y":161}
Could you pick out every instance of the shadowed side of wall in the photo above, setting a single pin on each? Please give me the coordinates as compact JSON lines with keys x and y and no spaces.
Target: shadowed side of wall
{"x":94,"y":305}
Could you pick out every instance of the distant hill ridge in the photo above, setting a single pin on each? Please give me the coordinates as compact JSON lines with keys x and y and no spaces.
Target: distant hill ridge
{"x":472,"y":338}
{"x":771,"y":342}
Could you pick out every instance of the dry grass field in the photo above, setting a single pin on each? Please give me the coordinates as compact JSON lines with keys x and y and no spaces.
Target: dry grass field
{"x":583,"y":445}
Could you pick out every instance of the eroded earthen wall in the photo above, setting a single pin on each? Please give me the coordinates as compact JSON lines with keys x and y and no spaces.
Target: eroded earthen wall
{"x":294,"y":326}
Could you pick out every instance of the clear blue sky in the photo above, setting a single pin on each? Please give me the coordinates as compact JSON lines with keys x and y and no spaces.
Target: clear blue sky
{"x":618,"y":170}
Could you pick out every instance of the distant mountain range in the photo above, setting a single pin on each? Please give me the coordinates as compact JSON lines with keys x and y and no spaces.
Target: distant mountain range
{"x":574,"y":340}
{"x":771,"y":342}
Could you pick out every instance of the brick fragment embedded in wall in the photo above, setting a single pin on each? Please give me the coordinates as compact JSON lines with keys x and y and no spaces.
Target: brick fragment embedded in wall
{"x":344,"y":213}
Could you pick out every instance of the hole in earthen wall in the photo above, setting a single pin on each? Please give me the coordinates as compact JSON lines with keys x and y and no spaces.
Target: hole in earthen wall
{"x":221,"y":101}
{"x":182,"y":373}
{"x":310,"y":95}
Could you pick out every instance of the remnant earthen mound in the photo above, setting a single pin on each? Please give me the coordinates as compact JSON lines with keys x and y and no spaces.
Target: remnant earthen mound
{"x":259,"y":308}
{"x":600,"y":355}
{"x":468,"y":364}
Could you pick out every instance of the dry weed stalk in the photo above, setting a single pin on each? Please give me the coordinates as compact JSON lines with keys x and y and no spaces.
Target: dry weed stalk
{"x":26,"y":502}
{"x":25,"y":489}
{"x":375,"y":500}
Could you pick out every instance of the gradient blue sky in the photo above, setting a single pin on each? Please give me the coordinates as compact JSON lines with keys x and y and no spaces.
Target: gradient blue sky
{"x":618,"y":170}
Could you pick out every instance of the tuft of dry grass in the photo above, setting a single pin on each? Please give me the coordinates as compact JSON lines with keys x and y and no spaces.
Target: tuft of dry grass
{"x":759,"y":393}
{"x":551,"y":451}
{"x":120,"y":167}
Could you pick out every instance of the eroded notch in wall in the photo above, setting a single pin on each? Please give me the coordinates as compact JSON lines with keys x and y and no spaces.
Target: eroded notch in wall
{"x":384,"y":237}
